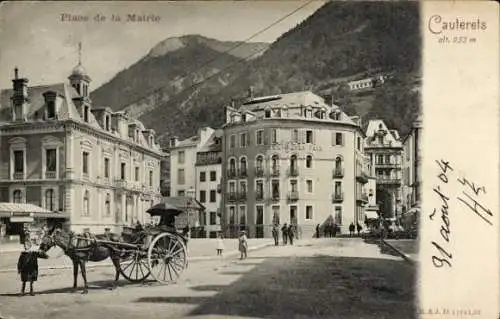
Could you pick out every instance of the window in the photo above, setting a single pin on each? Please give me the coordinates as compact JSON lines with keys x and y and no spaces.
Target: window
{"x":259,"y":137}
{"x":107,"y":123}
{"x":259,"y":162}
{"x":309,"y":184}
{"x":267,"y":114}
{"x":123,"y":173}
{"x":203,"y":196}
{"x":213,"y":176}
{"x":243,"y":187}
{"x":293,"y":186}
{"x":17,"y":196}
{"x":86,"y":205}
{"x":275,"y":187}
{"x":243,"y":215}
{"x":86,"y":114}
{"x":293,"y":162}
{"x":232,"y":141}
{"x":338,"y":215}
{"x":244,"y":117}
{"x":180,"y":176}
{"x":232,"y":187}
{"x":309,"y":136}
{"x":295,"y":136}
{"x":232,"y":215}
{"x":85,"y":165}
{"x":276,"y":215}
{"x":50,"y":200}
{"x":150,"y":178}
{"x":338,"y":139}
{"x":380,"y":159}
{"x":275,"y":162}
{"x":203,"y":176}
{"x":51,"y":109}
{"x":274,"y":136}
{"x":213,"y":218}
{"x":338,"y":163}
{"x":18,"y":161}
{"x":51,"y":159}
{"x":179,"y":193}
{"x":309,"y":212}
{"x":213,"y":196}
{"x":232,"y":165}
{"x":338,"y":188}
{"x":359,"y":143}
{"x":107,"y":205}
{"x":243,"y":140}
{"x":106,"y":167}
{"x":309,"y":161}
{"x":243,"y":165}
{"x":181,"y":158}
{"x":259,"y":189}
{"x":137,"y":173}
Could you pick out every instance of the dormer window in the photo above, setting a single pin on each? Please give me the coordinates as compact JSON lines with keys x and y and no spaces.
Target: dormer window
{"x":107,"y":123}
{"x":243,"y":117}
{"x":267,"y":113}
{"x":86,"y":113}
{"x":51,"y":109}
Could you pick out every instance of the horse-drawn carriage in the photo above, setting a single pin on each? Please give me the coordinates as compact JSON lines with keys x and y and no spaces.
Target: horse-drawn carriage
{"x":159,"y":252}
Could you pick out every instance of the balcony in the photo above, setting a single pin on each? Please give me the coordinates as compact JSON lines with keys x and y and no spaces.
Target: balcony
{"x":242,"y":196}
{"x":50,"y":175}
{"x":18,"y":175}
{"x":337,"y":197}
{"x":242,"y":172}
{"x":232,"y":196}
{"x":293,"y":196}
{"x":338,"y":172}
{"x":275,"y":171}
{"x":387,"y":165}
{"x":120,"y":183}
{"x":362,"y":198}
{"x":231,"y":173}
{"x":293,"y":172}
{"x":382,"y":180}
{"x":362,"y":177}
{"x":259,"y":171}
{"x":259,"y":196}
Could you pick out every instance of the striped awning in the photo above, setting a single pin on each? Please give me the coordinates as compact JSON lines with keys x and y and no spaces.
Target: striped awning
{"x":18,"y":210}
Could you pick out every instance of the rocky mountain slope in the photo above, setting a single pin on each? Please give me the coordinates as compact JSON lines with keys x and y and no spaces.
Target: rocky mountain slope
{"x":175,"y":91}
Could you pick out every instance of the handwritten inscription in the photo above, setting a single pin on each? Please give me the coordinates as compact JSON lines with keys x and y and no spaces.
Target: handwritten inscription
{"x":469,"y":198}
{"x":130,"y":17}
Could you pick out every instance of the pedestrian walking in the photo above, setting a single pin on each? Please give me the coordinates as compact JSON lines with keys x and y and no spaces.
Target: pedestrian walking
{"x":275,"y":235}
{"x":220,"y":244}
{"x":243,"y":244}
{"x":358,"y":228}
{"x":27,"y":266}
{"x":351,"y":229}
{"x":334,"y":230}
{"x":284,"y":233}
{"x":317,"y":231}
{"x":291,"y":233}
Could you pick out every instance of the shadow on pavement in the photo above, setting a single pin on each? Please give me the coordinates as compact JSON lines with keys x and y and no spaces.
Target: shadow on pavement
{"x":95,"y":285}
{"x":312,"y":287}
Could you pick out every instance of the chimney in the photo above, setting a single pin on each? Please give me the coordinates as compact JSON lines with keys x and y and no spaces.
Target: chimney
{"x":20,"y":97}
{"x":250,"y":92}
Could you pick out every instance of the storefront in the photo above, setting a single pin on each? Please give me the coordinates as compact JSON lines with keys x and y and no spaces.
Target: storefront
{"x":18,"y":219}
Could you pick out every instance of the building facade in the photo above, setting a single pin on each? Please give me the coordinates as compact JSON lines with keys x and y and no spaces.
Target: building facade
{"x":291,"y":158}
{"x":412,"y":160}
{"x":61,"y":152}
{"x":384,"y":148}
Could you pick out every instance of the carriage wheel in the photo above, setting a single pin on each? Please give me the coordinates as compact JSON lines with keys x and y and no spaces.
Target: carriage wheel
{"x":134,"y":267}
{"x":167,"y":257}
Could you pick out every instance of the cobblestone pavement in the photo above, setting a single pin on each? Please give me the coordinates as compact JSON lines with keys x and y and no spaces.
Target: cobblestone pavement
{"x":323,"y":278}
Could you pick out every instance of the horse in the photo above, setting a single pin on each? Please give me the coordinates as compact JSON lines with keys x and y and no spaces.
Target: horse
{"x":80,"y":250}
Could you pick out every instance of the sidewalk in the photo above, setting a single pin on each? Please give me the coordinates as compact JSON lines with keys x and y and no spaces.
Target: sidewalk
{"x":198,"y":249}
{"x":406,"y":248}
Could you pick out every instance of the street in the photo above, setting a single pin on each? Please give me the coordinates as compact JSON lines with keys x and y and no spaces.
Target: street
{"x":322,"y":278}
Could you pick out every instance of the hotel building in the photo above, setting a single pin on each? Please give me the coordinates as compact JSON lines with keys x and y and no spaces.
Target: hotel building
{"x":384,"y":148}
{"x":291,"y":158}
{"x":60,"y":152}
{"x":412,"y":160}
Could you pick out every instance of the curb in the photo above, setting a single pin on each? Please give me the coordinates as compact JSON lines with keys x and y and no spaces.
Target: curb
{"x":406,"y":257}
{"x":192,"y":259}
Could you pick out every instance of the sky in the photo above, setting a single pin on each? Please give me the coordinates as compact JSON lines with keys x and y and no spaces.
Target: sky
{"x":34,"y":38}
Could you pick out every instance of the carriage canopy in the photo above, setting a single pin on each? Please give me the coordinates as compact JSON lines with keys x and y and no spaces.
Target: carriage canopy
{"x":175,"y":206}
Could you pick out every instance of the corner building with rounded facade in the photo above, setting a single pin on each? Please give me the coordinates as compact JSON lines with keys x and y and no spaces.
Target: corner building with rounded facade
{"x":291,"y":158}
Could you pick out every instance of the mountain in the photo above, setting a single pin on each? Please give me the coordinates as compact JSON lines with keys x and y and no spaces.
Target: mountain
{"x":340,"y":42}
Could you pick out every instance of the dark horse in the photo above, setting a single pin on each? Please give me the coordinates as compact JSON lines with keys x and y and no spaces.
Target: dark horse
{"x":81,"y":249}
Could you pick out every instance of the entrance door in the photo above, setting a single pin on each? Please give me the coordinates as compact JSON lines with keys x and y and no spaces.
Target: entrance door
{"x":259,"y":222}
{"x":293,"y":215}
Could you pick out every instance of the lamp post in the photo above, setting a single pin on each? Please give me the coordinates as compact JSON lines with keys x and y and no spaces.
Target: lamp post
{"x":190,"y":196}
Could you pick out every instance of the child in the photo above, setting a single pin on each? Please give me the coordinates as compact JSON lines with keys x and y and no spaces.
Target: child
{"x":27,"y":266}
{"x":243,"y":244}
{"x":220,"y":244}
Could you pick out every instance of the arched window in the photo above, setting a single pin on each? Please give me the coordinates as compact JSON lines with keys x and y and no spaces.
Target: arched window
{"x":259,"y":162}
{"x":50,"y":199}
{"x":309,"y":160}
{"x":232,"y":164}
{"x":17,"y":196}
{"x":267,"y":113}
{"x":107,"y":205}
{"x":338,"y":163}
{"x":275,"y":163}
{"x":293,"y":161}
{"x":86,"y":205}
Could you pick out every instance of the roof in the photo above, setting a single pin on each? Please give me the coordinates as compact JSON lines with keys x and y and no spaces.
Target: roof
{"x":294,"y":99}
{"x":211,"y":145}
{"x":190,"y":141}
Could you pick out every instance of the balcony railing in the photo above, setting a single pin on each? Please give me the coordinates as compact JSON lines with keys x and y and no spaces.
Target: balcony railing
{"x":242,"y":172}
{"x":231,"y":173}
{"x":232,"y":196}
{"x":259,"y":195}
{"x":387,"y":165}
{"x":293,"y":171}
{"x":275,"y":171}
{"x":50,"y":175}
{"x":18,"y":175}
{"x":388,"y":181}
{"x":275,"y":196}
{"x":259,"y":171}
{"x":362,"y":177}
{"x":338,"y":172}
{"x":242,"y":196}
{"x":293,"y":195}
{"x":337,"y":197}
{"x":120,"y":183}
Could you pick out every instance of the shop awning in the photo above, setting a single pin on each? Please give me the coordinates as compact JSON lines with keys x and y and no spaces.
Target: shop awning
{"x":25,"y":211}
{"x":371,"y":214}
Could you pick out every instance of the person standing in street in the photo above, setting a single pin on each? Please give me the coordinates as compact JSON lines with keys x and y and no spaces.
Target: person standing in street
{"x":275,"y":235}
{"x":317,"y":231}
{"x":351,"y":229}
{"x":220,"y":244}
{"x":243,"y":244}
{"x":284,"y":233}
{"x":27,"y":266}
{"x":358,"y":228}
{"x":291,"y":233}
